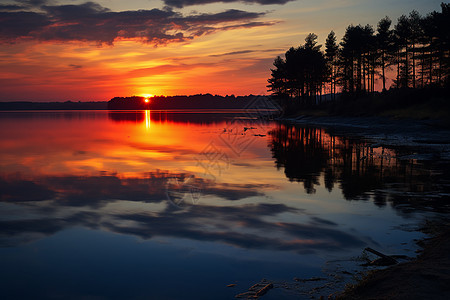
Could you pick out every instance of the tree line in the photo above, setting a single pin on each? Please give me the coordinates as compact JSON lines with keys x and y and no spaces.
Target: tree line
{"x":416,"y":50}
{"x":199,"y":101}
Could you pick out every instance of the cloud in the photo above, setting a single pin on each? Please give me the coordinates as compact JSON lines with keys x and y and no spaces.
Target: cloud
{"x":233,"y":53}
{"x":167,"y":68}
{"x":91,"y":22}
{"x":73,"y":66}
{"x":10,"y":7}
{"x":21,"y":24}
{"x":22,"y":4}
{"x":183,"y":3}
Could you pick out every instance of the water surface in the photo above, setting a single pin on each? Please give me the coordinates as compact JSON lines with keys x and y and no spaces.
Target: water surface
{"x":177,"y":205}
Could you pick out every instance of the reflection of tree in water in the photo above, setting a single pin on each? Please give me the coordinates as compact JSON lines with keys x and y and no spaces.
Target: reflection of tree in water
{"x":361,"y":170}
{"x":299,"y":151}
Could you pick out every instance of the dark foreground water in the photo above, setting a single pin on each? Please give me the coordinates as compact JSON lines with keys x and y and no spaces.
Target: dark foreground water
{"x":178,"y":205}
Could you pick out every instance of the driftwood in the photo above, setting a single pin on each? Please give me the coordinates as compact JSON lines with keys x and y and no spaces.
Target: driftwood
{"x":255,"y":291}
{"x":385,"y":261}
{"x":264,"y":289}
{"x":246,"y":294}
{"x":309,"y":279}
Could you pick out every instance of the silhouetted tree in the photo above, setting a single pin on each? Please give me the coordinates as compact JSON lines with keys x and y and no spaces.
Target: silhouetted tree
{"x":370,"y":58}
{"x":418,"y":46}
{"x":403,"y":34}
{"x":277,"y":82}
{"x":301,"y":75}
{"x":353,"y":57}
{"x":416,"y":33}
{"x":442,"y":43}
{"x":384,"y":43}
{"x":331,"y":53}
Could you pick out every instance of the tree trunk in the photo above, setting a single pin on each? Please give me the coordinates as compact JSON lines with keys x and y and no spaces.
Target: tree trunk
{"x":406,"y":67}
{"x":364,"y":72}
{"x":422,"y":67}
{"x":414,"y":65}
{"x":372,"y":79}
{"x":382,"y":67}
{"x":431,"y":63}
{"x":398,"y":68}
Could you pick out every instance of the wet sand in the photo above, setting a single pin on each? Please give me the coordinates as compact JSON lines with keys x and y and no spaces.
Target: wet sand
{"x":426,"y":277}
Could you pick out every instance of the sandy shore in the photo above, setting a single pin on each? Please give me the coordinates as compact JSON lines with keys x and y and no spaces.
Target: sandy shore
{"x":426,"y":277}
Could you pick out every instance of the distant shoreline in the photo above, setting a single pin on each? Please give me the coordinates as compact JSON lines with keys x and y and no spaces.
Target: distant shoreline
{"x":197,"y":102}
{"x":68,"y":105}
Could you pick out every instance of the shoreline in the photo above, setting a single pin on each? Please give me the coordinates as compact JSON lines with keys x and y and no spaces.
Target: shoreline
{"x":425,"y":277}
{"x":427,"y":136}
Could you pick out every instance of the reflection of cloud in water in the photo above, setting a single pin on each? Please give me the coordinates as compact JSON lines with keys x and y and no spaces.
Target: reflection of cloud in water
{"x":21,"y":231}
{"x":241,"y":226}
{"x":57,"y":203}
{"x":95,"y":191}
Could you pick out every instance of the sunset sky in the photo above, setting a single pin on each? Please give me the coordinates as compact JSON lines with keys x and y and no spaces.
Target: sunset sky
{"x":77,"y":50}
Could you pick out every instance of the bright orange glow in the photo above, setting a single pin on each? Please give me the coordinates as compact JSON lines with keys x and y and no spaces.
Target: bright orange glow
{"x":230,"y":60}
{"x":128,"y":146}
{"x":147,"y":100}
{"x":99,"y":74}
{"x":147,"y":118}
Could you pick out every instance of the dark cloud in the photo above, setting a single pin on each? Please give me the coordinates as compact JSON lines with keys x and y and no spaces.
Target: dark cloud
{"x":233,"y":53}
{"x":10,"y":7}
{"x":183,"y":3}
{"x":75,"y":67}
{"x":91,"y":22}
{"x":32,"y":3}
{"x":21,"y":24}
{"x":22,"y":5}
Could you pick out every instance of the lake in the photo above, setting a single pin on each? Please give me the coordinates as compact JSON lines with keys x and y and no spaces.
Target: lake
{"x":180,"y":204}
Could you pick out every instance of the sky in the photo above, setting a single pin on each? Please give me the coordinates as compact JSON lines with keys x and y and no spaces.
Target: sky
{"x":72,"y":50}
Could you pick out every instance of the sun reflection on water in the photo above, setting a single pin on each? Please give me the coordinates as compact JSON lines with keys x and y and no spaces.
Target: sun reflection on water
{"x":147,"y":119}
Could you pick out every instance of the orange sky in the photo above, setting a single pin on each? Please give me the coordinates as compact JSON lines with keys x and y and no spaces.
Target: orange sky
{"x":53,"y":52}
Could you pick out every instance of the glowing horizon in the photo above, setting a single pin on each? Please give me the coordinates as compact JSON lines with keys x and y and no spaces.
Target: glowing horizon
{"x":94,"y":51}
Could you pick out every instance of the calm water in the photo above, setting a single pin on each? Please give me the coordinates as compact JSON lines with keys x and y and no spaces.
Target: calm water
{"x":157,"y":205}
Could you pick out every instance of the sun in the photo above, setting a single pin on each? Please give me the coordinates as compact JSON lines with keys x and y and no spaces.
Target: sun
{"x":147,"y":97}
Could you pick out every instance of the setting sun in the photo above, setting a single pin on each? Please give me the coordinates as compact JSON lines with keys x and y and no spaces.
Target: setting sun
{"x":147,"y":97}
